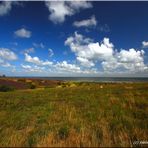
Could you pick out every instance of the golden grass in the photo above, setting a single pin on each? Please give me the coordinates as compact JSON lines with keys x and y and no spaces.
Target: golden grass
{"x":85,"y":115}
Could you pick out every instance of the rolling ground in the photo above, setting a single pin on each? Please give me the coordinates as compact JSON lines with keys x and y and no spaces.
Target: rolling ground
{"x":76,"y":114}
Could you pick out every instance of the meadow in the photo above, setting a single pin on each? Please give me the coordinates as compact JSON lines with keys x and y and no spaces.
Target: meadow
{"x":74,"y":114}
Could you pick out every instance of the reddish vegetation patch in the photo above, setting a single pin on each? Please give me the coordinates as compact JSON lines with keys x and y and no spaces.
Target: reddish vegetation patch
{"x":24,"y":83}
{"x":16,"y":85}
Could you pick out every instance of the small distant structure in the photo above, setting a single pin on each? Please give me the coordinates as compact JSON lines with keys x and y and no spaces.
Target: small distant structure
{"x":3,"y":76}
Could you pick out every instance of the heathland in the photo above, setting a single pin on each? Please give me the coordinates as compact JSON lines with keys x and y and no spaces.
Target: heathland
{"x":45,"y":113}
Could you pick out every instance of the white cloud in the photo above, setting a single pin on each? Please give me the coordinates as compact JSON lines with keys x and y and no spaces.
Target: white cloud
{"x":132,"y":60}
{"x":7,"y":54}
{"x":5,"y":7}
{"x":72,"y":69}
{"x":101,"y":51}
{"x":86,"y":23}
{"x":26,"y":66}
{"x":4,"y":63}
{"x":78,"y":43}
{"x":30,"y":59}
{"x":145,"y":44}
{"x":60,"y":9}
{"x":66,"y":67}
{"x":132,"y":55}
{"x":39,"y":45}
{"x":77,"y":5}
{"x":50,"y":52}
{"x":37,"y":61}
{"x":89,"y":53}
{"x":85,"y":62}
{"x":62,"y":68}
{"x":31,"y":69}
{"x":23,"y":33}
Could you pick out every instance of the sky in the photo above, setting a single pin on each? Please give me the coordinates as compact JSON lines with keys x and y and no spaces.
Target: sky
{"x":74,"y":38}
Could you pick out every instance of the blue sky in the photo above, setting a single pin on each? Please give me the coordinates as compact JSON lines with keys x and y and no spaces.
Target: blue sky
{"x":82,"y":38}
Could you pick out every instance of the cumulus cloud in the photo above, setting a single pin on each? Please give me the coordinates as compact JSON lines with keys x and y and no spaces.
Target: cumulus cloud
{"x":132,"y":60}
{"x":85,"y":62}
{"x":145,"y":44}
{"x":37,"y":61}
{"x":23,"y":33}
{"x":103,"y":50}
{"x":89,"y":53}
{"x":60,"y":9}
{"x":77,"y":42}
{"x":7,"y":54}
{"x":86,"y":23}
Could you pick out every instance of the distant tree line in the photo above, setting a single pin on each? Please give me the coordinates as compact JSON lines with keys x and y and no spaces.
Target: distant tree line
{"x":3,"y":75}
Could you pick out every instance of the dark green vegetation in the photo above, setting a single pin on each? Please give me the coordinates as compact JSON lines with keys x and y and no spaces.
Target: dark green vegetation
{"x":75,"y":114}
{"x":5,"y":88}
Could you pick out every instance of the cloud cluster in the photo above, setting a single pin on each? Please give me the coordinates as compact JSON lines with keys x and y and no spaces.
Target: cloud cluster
{"x":86,"y":23}
{"x":7,"y":54}
{"x":23,"y":33}
{"x":4,"y":63}
{"x":33,"y":69}
{"x":89,"y":53}
{"x":37,"y":61}
{"x":130,"y":60}
{"x":66,"y":67}
{"x":60,"y":9}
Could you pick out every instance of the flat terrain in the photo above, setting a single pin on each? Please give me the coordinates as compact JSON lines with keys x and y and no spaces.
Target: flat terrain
{"x":79,"y":114}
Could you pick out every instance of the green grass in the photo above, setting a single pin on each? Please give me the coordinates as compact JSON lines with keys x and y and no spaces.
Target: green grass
{"x":83,"y":114}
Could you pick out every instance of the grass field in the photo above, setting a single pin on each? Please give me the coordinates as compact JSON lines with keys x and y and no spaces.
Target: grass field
{"x":75,"y":114}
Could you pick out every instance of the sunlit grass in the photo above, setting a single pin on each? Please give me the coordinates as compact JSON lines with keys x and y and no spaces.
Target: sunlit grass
{"x":75,"y":114}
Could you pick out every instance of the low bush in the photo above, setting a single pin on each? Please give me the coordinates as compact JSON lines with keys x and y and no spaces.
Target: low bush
{"x":32,"y":86}
{"x":5,"y":88}
{"x":21,"y":80}
{"x":63,"y":132}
